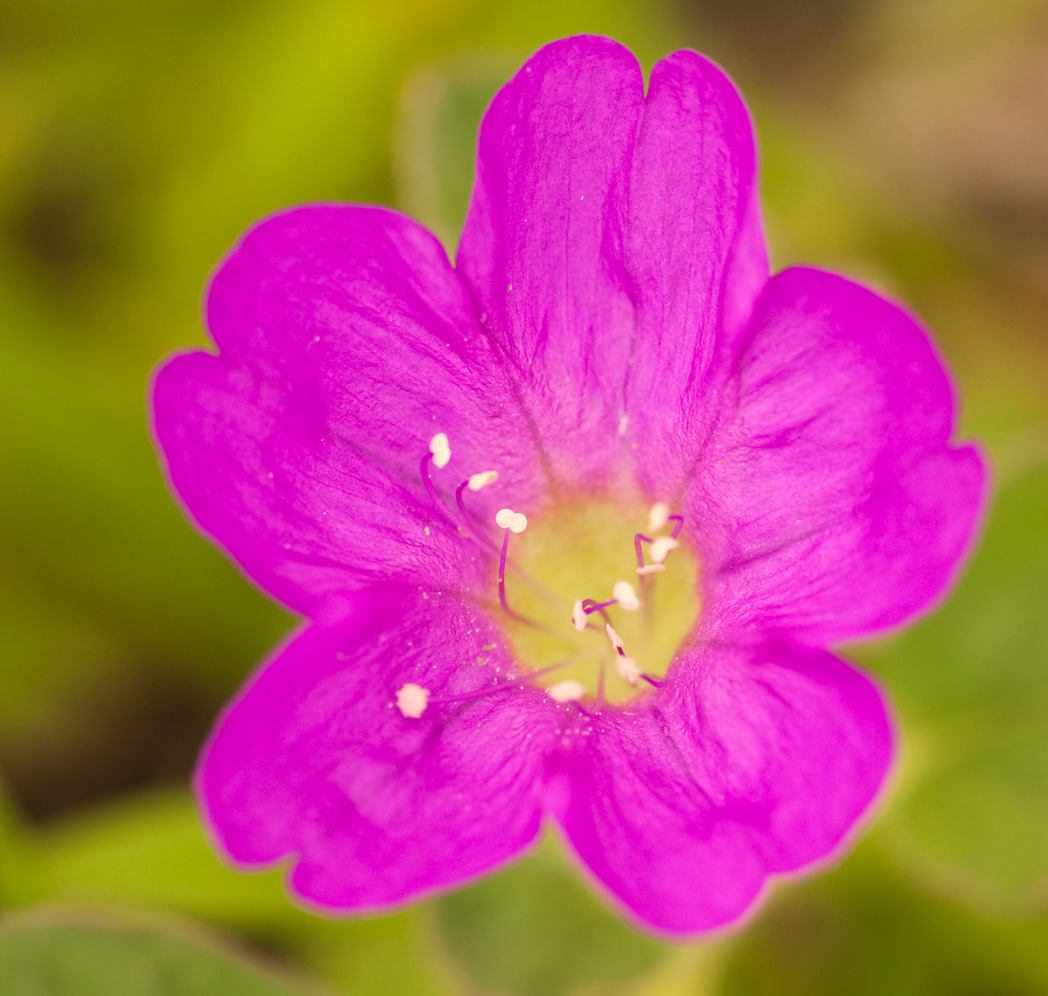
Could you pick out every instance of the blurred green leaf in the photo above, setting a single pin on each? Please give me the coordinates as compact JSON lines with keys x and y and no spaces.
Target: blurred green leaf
{"x":986,"y":648}
{"x":21,"y":868}
{"x":981,"y":822}
{"x":441,"y":105}
{"x":85,"y":516}
{"x":151,"y":851}
{"x":972,"y":680}
{"x":536,"y":930}
{"x":65,"y":959}
{"x":863,"y":930}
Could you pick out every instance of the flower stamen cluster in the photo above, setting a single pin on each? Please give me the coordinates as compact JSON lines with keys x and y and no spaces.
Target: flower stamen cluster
{"x":623,"y":596}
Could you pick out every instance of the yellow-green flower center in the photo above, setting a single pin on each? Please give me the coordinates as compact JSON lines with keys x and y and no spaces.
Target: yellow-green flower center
{"x":580,"y":550}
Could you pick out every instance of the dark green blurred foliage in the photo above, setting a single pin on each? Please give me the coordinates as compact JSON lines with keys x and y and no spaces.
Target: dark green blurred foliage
{"x":536,"y":930}
{"x":67,"y":959}
{"x":863,"y":930}
{"x":902,"y":142}
{"x":974,"y":807}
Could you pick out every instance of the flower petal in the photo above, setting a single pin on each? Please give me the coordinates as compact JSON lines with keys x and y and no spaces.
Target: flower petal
{"x":833,"y":505}
{"x":347,"y":343}
{"x":746,"y":764}
{"x":314,"y":761}
{"x":543,"y":245}
{"x":696,"y":256}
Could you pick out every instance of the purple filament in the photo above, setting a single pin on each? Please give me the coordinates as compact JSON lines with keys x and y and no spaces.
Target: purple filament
{"x":502,"y":587}
{"x":639,"y":538}
{"x":427,"y":481}
{"x":589,"y":605}
{"x":477,"y":532}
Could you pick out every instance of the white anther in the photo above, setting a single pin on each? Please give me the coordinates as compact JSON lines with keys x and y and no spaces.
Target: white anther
{"x":658,"y":516}
{"x":623,"y":592}
{"x":616,"y":640}
{"x":578,"y":616}
{"x":566,"y":691}
{"x":651,"y":569}
{"x":440,"y":449}
{"x":627,"y":667}
{"x":483,"y":479}
{"x":515,"y":522}
{"x":660,"y":549}
{"x":411,"y":701}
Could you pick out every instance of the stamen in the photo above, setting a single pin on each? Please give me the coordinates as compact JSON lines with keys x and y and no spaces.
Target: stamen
{"x":440,"y":454}
{"x":627,"y":668}
{"x":660,"y":548}
{"x":678,"y":524}
{"x":440,"y":450}
{"x":482,"y":480}
{"x":411,"y":700}
{"x":658,"y":516}
{"x":625,"y":596}
{"x":578,"y":617}
{"x":639,"y":538}
{"x":470,"y":521}
{"x":651,"y":569}
{"x":566,"y":691}
{"x":588,"y":605}
{"x":512,"y":522}
{"x":515,"y":522}
{"x":616,"y":640}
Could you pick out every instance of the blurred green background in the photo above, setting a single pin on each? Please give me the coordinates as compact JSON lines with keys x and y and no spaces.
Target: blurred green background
{"x":904,"y":142}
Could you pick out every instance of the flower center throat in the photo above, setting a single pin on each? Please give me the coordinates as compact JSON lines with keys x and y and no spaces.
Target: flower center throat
{"x":593,"y":603}
{"x":582,"y":551}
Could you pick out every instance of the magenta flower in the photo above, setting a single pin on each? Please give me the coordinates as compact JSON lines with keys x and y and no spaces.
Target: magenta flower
{"x":571,"y":521}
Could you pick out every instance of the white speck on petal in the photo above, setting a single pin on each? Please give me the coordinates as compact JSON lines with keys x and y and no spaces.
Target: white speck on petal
{"x":440,"y":449}
{"x":651,"y":569}
{"x":658,"y":516}
{"x":660,"y":549}
{"x":566,"y":691}
{"x":578,"y":616}
{"x":626,"y":596}
{"x":503,"y":517}
{"x":616,"y":640}
{"x":483,"y":479}
{"x":627,"y":667}
{"x":411,"y":701}
{"x":425,"y":529}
